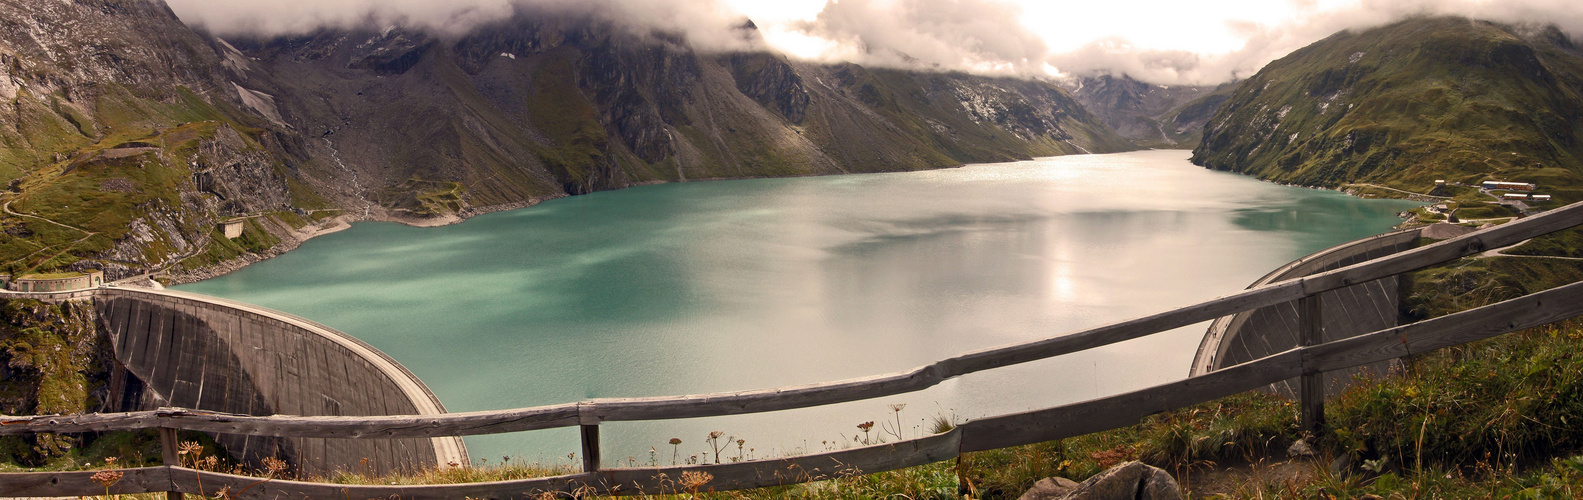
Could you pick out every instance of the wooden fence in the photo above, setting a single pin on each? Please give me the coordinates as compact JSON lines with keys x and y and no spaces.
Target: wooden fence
{"x":1306,"y":362}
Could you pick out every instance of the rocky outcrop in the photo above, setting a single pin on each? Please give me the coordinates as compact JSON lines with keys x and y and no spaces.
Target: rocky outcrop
{"x":53,"y":360}
{"x":1050,"y":488}
{"x":242,"y":179}
{"x":771,"y":81}
{"x":1128,"y":481}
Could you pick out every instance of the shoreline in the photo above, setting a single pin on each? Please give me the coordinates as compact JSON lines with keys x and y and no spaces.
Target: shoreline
{"x":295,"y":237}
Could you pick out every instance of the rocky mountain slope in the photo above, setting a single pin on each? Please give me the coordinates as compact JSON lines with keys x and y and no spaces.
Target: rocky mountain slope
{"x":1405,"y":104}
{"x":130,"y":136}
{"x":123,"y":142}
{"x":1158,"y":116}
{"x":529,"y":107}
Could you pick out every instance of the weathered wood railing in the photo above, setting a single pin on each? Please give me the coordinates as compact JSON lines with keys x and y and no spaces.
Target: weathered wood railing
{"x":975,"y":435}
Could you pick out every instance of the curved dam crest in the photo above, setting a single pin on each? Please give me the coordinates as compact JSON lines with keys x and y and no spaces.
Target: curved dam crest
{"x":1346,"y":312}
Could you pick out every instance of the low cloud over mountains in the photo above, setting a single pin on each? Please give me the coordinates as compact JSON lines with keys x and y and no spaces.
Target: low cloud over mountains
{"x":978,"y":36}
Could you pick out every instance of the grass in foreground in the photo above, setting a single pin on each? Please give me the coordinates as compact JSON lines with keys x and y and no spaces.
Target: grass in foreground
{"x":1493,"y":419}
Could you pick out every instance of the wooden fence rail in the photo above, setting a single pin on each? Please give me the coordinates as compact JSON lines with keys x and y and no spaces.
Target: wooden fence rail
{"x":976,"y":435}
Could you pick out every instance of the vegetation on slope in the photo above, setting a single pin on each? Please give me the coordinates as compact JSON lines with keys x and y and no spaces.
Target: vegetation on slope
{"x":1409,"y":103}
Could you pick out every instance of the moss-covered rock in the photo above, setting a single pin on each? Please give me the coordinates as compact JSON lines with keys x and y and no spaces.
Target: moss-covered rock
{"x":53,"y":360}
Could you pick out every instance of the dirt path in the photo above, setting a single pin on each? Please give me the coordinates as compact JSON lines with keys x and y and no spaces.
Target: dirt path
{"x":86,"y":234}
{"x":7,"y":208}
{"x":1377,"y":186}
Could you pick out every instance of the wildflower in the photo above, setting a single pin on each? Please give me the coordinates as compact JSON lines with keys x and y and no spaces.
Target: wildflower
{"x":694,"y":480}
{"x":274,"y":465}
{"x":107,"y":478}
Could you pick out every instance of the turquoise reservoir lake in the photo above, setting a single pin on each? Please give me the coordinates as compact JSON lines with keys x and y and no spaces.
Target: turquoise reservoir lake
{"x":731,"y":285}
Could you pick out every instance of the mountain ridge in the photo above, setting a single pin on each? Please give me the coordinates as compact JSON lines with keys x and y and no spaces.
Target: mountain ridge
{"x":132,"y":136}
{"x":1409,"y":103}
{"x":1150,"y":115}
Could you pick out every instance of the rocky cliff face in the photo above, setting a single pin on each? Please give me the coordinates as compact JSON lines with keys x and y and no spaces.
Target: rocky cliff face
{"x":1169,"y":116}
{"x":536,"y":106}
{"x":1405,"y":104}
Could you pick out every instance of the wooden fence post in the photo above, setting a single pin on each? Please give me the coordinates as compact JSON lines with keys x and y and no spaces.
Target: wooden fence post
{"x":1311,"y":385}
{"x":590,"y":448}
{"x":167,"y":450}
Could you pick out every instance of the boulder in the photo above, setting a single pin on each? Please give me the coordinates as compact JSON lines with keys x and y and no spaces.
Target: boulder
{"x":1131,"y":480}
{"x":1050,"y":488}
{"x":1300,"y":448}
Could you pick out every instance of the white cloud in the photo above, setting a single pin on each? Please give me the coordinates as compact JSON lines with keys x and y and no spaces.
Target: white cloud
{"x":1160,"y":41}
{"x":973,"y":35}
{"x":707,"y":23}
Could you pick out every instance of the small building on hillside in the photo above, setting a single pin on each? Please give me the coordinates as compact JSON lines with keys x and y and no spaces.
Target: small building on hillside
{"x":1510,"y":186}
{"x":232,"y":228}
{"x":56,"y":282}
{"x":1540,"y":197}
{"x":1513,"y":196}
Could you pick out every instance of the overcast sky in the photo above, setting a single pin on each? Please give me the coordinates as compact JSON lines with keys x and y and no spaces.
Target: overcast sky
{"x":1160,"y":41}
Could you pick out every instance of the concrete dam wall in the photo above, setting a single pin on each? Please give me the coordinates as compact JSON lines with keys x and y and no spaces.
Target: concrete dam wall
{"x":194,"y":351}
{"x":1347,"y":312}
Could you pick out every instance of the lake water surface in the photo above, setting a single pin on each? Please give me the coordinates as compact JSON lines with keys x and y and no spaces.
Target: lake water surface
{"x":731,"y":285}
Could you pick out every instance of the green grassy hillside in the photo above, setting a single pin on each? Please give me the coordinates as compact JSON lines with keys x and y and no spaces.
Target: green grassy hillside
{"x":1408,"y":103}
